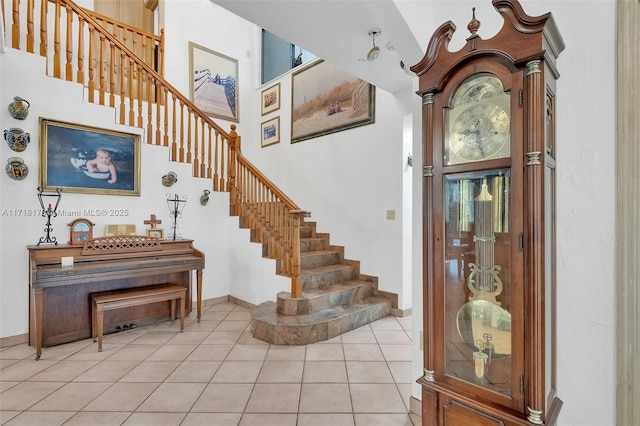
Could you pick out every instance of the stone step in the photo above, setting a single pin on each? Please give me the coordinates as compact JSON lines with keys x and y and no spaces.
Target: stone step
{"x":323,"y":276}
{"x":318,"y":258}
{"x":313,"y":244}
{"x":343,"y":293}
{"x":269,"y":326}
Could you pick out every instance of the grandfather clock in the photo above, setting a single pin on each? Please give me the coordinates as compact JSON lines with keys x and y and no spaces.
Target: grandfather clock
{"x":489,"y":223}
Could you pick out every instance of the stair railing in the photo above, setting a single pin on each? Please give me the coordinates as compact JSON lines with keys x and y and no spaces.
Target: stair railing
{"x":117,"y":77}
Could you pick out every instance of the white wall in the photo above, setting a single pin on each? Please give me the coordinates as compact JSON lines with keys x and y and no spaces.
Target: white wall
{"x":586,"y":370}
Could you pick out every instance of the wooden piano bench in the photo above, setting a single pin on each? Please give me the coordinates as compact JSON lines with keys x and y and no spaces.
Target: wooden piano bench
{"x":109,"y":300}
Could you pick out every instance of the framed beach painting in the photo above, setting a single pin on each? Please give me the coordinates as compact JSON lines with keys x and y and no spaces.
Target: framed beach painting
{"x":90,"y":160}
{"x":213,"y":82}
{"x":325,"y":99}
{"x":270,"y":132}
{"x":271,"y":99}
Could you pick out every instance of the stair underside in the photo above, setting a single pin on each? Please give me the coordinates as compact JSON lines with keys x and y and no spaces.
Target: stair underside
{"x":278,"y":329}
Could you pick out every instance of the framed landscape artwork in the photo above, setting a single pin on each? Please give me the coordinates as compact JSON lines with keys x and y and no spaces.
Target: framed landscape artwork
{"x":325,"y":99}
{"x":271,"y":99}
{"x":213,"y":84}
{"x":89,"y":160}
{"x":270,"y":132}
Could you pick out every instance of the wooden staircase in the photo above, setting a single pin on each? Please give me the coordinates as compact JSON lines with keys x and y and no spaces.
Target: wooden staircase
{"x":335,"y":299}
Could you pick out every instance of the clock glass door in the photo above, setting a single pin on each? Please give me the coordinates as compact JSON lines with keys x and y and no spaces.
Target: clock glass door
{"x":478,"y":270}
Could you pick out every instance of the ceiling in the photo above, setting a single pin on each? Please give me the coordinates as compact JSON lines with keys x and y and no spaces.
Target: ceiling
{"x":338,"y":31}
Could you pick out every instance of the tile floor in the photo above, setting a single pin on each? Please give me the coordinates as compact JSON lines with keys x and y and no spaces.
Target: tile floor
{"x":214,"y":373}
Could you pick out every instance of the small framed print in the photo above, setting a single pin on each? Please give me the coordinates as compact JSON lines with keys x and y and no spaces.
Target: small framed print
{"x":121,"y":229}
{"x":270,"y":132}
{"x":156,"y":233}
{"x":271,"y":99}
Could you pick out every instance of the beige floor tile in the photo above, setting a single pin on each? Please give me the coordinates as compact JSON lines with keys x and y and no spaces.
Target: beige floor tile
{"x":107,"y":371}
{"x":274,"y":398}
{"x":396,"y":352}
{"x":170,"y":352}
{"x":155,"y":419}
{"x":401,"y":371}
{"x":406,"y":323}
{"x":248,"y":353}
{"x":60,"y":352}
{"x":325,"y":352}
{"x":324,"y":372}
{"x":155,"y":337}
{"x":222,"y":338}
{"x":325,"y":398}
{"x":25,"y":369}
{"x":368,"y":372}
{"x":211,"y":419}
{"x":286,"y":353}
{"x":40,"y":418}
{"x":232,"y":325}
{"x":20,"y":351}
{"x":223,"y":398}
{"x":386,"y":323}
{"x":7,"y":385}
{"x":4,"y":363}
{"x":188,"y":338}
{"x":63,"y":371}
{"x":376,"y":398}
{"x":325,"y":420}
{"x":362,"y":352}
{"x":249,"y":419}
{"x":6,"y":415}
{"x":26,"y":394}
{"x":151,"y":371}
{"x":246,"y":338}
{"x":222,"y":307}
{"x":135,"y":352}
{"x":238,"y":316}
{"x":237,"y":372}
{"x":383,"y":420}
{"x":101,"y":418}
{"x":91,"y":353}
{"x":405,"y":390}
{"x":363,"y":334}
{"x":194,"y":371}
{"x":122,"y":397}
{"x":71,"y":397}
{"x":210,"y":353}
{"x":172,"y":398}
{"x":392,"y":337}
{"x":201,"y":326}
{"x":281,"y":372}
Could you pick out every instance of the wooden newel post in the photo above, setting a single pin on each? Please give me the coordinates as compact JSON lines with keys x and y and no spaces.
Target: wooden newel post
{"x":296,"y":281}
{"x":231,"y":169}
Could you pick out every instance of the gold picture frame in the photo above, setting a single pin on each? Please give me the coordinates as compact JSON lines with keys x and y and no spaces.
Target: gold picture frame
{"x":270,"y":99}
{"x":89,"y":160}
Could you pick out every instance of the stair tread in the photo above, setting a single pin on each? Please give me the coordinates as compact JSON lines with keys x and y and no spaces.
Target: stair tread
{"x":325,"y":268}
{"x":318,"y":253}
{"x":266,"y":312}
{"x":321,"y":291}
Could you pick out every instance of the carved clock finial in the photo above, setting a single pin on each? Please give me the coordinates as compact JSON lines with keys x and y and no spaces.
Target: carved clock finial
{"x":474,"y":24}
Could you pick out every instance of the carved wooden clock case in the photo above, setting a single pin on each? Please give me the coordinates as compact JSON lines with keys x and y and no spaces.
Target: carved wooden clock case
{"x":489,"y":223}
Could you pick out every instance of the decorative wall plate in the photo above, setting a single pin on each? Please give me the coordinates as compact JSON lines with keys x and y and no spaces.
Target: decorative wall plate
{"x":17,"y":139}
{"x":16,"y":169}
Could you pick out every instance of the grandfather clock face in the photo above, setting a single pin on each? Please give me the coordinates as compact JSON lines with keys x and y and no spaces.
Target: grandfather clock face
{"x":478,"y":123}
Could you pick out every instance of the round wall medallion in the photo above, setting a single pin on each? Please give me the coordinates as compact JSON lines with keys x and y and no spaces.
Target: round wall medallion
{"x":16,"y":169}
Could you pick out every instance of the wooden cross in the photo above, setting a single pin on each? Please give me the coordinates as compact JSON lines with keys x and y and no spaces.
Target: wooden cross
{"x":152,"y":221}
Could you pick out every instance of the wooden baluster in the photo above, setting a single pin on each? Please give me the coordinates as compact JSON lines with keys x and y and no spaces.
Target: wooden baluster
{"x":296,"y":280}
{"x":196,"y":160}
{"x":160,"y":91}
{"x":30,"y":34}
{"x":173,"y":131}
{"x":216,"y":177}
{"x":15,"y":25}
{"x":149,"y":109}
{"x":80,"y":72}
{"x":101,"y":71}
{"x":181,"y":150}
{"x":123,"y":88}
{"x":209,"y":154}
{"x":68,"y":70}
{"x":130,"y":80}
{"x":166,"y":118}
{"x":56,"y":42}
{"x":140,"y":82}
{"x":160,"y":64}
{"x":189,"y":116}
{"x":112,"y":76}
{"x":92,"y":76}
{"x":44,"y":6}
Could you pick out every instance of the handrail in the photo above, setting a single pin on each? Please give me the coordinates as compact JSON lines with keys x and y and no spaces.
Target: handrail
{"x":117,"y":77}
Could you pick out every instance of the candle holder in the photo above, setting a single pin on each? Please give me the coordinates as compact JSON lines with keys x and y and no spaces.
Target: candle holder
{"x":176,"y":206}
{"x":49,"y":212}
